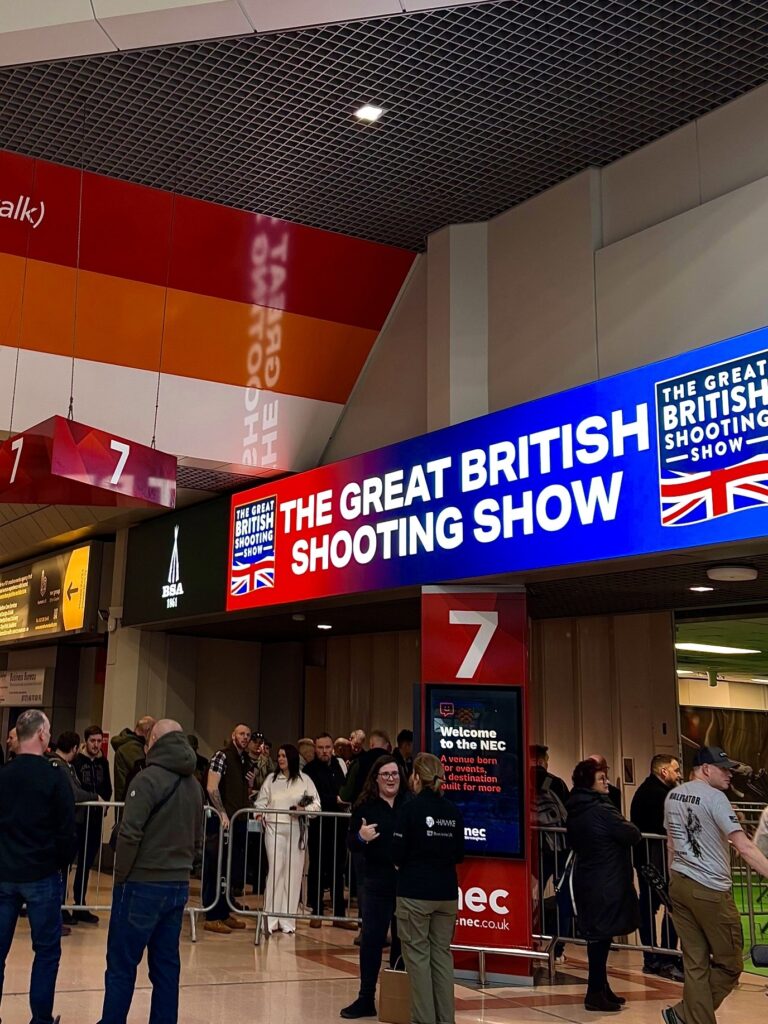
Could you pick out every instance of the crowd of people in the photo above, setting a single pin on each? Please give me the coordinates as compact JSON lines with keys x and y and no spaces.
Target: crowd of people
{"x":677,"y":840}
{"x":161,"y":784}
{"x":376,"y":803}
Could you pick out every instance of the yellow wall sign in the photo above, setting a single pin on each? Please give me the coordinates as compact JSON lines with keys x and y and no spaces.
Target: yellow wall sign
{"x":45,"y":597}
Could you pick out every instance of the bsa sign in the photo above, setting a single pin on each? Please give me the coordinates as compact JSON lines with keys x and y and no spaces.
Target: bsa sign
{"x":604,"y":471}
{"x":174,"y":588}
{"x":177,"y":565}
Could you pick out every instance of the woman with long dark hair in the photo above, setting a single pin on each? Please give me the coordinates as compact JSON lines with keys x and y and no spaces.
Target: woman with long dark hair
{"x":370,"y":831}
{"x":287,"y":789}
{"x":603,"y":887}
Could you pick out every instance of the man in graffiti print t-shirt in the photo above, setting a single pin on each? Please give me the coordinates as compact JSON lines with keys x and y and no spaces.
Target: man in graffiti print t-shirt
{"x":701,"y":827}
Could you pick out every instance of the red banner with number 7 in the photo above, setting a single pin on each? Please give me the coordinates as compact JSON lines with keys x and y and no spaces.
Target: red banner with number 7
{"x":63,"y":462}
{"x":473,"y":715}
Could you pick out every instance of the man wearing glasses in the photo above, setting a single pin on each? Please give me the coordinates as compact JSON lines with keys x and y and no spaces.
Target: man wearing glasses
{"x":701,"y":825}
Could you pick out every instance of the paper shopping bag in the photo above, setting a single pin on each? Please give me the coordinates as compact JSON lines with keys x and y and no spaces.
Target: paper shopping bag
{"x":395,"y":997}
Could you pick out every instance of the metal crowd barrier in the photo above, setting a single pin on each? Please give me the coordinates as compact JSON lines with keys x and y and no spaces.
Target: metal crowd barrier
{"x":748,"y":813}
{"x":558,"y":924}
{"x":96,"y":819}
{"x":92,"y":816}
{"x":285,"y":855}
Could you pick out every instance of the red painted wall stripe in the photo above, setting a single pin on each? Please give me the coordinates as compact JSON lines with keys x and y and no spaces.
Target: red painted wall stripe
{"x":126,"y":231}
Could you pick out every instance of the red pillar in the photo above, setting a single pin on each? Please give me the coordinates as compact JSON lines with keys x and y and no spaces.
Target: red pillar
{"x":474,"y":658}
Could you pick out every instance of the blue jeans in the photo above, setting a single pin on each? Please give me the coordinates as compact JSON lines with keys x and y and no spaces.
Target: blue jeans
{"x":145,"y":915}
{"x":43,"y":900}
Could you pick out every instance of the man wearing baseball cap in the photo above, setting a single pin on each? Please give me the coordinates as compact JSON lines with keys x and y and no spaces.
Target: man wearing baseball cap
{"x":700,"y":824}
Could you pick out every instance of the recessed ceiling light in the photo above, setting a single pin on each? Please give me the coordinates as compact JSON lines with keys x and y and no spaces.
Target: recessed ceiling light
{"x":756,"y":680}
{"x":324,"y":625}
{"x":368,"y":112}
{"x":732,"y":573}
{"x":715,"y":649}
{"x":687,"y":672}
{"x":701,"y":590}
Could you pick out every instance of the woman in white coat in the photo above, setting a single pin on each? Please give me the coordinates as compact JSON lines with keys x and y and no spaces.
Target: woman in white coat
{"x":288,"y":789}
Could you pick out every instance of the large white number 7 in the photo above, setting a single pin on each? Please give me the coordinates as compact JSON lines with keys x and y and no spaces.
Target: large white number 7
{"x":125,"y":451}
{"x":487,"y":623}
{"x":16,"y":446}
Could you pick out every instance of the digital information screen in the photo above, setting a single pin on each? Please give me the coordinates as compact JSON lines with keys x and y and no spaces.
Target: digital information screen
{"x":46,"y":597}
{"x":477,"y":731}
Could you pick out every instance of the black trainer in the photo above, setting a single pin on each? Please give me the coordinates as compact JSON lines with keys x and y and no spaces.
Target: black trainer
{"x":360,"y":1008}
{"x":85,"y":916}
{"x":669,"y":1016}
{"x":600,"y":1003}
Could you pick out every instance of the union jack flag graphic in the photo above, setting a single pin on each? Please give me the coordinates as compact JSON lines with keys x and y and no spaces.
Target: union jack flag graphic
{"x":249,"y":576}
{"x":688,"y":498}
{"x":253,"y":557}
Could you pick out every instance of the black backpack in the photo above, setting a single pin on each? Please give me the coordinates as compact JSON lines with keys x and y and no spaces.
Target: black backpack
{"x":549,"y":813}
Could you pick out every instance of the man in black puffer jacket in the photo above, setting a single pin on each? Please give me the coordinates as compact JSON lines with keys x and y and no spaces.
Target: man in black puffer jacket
{"x":160,"y":838}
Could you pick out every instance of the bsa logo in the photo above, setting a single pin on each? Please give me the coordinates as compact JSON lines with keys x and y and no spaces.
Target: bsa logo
{"x":43,"y":583}
{"x":173,"y":589}
{"x":253,"y":549}
{"x":430,"y":821}
{"x":713,"y":441}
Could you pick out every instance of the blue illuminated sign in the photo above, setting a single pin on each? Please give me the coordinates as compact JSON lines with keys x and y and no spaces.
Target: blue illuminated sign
{"x":670,"y":456}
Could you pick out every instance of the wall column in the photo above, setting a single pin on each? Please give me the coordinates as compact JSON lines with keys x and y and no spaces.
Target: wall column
{"x":137,"y":662}
{"x":457,"y":324}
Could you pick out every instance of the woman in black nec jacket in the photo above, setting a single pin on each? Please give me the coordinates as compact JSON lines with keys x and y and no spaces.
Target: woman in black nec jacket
{"x":428,"y":844}
{"x":603,"y":887}
{"x":370,"y":830}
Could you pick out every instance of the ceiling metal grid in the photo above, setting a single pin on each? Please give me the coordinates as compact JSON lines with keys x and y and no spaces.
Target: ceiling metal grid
{"x":487,"y":105}
{"x":648,"y":589}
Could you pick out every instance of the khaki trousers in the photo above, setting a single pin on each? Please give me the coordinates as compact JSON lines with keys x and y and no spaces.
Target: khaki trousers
{"x":426,"y":930}
{"x":710,"y":936}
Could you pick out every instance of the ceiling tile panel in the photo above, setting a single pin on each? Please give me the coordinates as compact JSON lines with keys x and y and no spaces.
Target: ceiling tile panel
{"x":486,"y":105}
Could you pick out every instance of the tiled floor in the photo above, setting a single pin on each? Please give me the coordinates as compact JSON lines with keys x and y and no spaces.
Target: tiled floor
{"x":306,"y":978}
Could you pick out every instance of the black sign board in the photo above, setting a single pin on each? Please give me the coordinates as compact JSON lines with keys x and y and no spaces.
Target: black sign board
{"x":177,"y":565}
{"x":54,"y":595}
{"x":476,"y":731}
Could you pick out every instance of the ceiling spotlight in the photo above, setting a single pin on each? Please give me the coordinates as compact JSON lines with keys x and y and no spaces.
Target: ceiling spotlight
{"x":324,"y":625}
{"x":369,"y":113}
{"x":714,"y":649}
{"x":732,"y":573}
{"x":298,"y":617}
{"x":701,"y":590}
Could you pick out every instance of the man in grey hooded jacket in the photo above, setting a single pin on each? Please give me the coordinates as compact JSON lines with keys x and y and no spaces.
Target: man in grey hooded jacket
{"x":160,"y":838}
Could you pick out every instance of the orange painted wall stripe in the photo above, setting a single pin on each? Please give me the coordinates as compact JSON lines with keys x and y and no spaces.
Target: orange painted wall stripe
{"x":11,"y":280}
{"x":210,"y":338}
{"x":120,"y":321}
